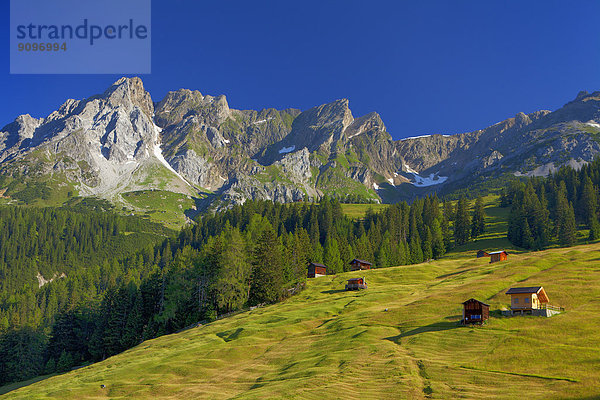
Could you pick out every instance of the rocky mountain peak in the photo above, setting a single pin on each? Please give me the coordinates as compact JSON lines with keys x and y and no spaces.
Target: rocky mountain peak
{"x":370,"y":122}
{"x":182,"y":103}
{"x":130,"y":92}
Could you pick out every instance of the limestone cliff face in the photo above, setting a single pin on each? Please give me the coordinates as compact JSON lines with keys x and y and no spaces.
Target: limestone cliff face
{"x":103,"y":143}
{"x":188,"y":142}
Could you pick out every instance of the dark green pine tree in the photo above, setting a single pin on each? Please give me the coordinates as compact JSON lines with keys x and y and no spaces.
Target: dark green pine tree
{"x":527,"y":240}
{"x":589,"y":203}
{"x":446,"y":233}
{"x":437,"y":244}
{"x":331,"y":257}
{"x":134,"y":326}
{"x":594,"y":230}
{"x":233,"y":275}
{"x":65,"y":362}
{"x":478,"y":221}
{"x":267,"y":279}
{"x":462,"y":223}
{"x":427,"y":245}
{"x":415,"y":249}
{"x":567,"y":233}
{"x":50,"y":367}
{"x":565,"y":218}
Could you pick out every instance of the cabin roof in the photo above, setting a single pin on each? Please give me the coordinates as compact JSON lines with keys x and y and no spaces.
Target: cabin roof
{"x":356,"y":279}
{"x":539,"y":290}
{"x":360,"y":261}
{"x":497,"y":252}
{"x":317,"y":265}
{"x":528,"y":289}
{"x":480,"y":302}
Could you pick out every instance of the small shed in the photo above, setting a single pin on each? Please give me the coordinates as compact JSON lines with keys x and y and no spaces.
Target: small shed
{"x":498,"y":256}
{"x":357,"y":265}
{"x":315,"y":270}
{"x":482,"y":253}
{"x":356,"y":284}
{"x":475,"y":312}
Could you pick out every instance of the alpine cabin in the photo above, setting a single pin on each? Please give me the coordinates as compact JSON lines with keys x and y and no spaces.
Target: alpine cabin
{"x":475,"y":312}
{"x":482,"y":253}
{"x":357,"y":265}
{"x":356,"y":284}
{"x":524,"y":300}
{"x":496,"y":256}
{"x":315,"y":270}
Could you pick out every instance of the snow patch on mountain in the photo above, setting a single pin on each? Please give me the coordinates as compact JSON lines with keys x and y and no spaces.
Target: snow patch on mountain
{"x":158,"y":154}
{"x":421,"y":136}
{"x":287,"y":149}
{"x":430,"y":180}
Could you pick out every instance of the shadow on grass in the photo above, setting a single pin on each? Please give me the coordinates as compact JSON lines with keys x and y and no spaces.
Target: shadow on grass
{"x":454,"y":273}
{"x":435,"y":327}
{"x":333,"y":291}
{"x":228,"y":336}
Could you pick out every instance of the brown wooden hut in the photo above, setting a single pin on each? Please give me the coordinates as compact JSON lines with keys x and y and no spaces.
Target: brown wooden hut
{"x":315,"y":270}
{"x":498,"y":256}
{"x":356,"y":284}
{"x":475,"y":312}
{"x":357,"y":265}
{"x":482,"y":253}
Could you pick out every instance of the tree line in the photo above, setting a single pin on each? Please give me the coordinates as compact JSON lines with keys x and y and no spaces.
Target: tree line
{"x":552,"y":209}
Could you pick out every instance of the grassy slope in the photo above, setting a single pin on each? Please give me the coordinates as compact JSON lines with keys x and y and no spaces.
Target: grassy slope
{"x":167,"y":208}
{"x":327,"y":343}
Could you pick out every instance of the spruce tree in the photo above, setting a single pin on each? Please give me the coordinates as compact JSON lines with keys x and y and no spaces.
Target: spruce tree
{"x":267,"y":280}
{"x":589,"y":203}
{"x":567,"y":233}
{"x":331,"y":257}
{"x":437,"y":244}
{"x":462,"y":223}
{"x":478,"y":221}
{"x":527,"y":240}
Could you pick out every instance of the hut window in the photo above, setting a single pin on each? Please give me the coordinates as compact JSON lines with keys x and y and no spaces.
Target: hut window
{"x":516,"y":300}
{"x":526,"y":300}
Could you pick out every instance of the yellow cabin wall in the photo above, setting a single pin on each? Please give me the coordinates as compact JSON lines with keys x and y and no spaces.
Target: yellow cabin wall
{"x":531,"y":297}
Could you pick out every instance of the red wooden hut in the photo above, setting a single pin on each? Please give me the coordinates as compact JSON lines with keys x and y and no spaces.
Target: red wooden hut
{"x":498,"y":256}
{"x":356,"y":284}
{"x":357,"y":265}
{"x":475,"y":312}
{"x":315,"y":270}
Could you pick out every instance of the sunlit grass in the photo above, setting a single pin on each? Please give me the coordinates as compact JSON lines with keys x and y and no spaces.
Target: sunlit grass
{"x":326,"y":343}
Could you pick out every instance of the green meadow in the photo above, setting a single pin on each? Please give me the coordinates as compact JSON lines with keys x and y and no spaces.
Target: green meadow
{"x":161,"y":206}
{"x":328,"y":343}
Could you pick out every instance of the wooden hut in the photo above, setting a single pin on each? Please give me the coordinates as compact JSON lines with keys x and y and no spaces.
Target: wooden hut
{"x":531,"y":300}
{"x":356,"y":284}
{"x":525,"y":299}
{"x":498,"y":256}
{"x":482,"y":253}
{"x":357,"y":265}
{"x":315,"y":270}
{"x":475,"y":312}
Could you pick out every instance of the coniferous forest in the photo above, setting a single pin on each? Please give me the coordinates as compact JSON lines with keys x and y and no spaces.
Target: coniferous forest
{"x":121,"y":280}
{"x":551,"y":210}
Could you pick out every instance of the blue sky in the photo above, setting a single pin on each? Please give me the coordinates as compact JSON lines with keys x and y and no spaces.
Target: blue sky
{"x":425,"y":66}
